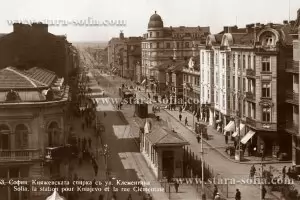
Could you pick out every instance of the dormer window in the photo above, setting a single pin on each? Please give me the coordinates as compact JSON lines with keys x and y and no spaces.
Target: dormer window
{"x":269,"y":40}
{"x":12,"y":96}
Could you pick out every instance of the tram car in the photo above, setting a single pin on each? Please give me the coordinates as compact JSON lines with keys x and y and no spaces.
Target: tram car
{"x":201,"y":128}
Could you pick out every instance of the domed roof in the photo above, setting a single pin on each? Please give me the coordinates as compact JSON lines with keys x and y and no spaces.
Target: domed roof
{"x":155,"y":21}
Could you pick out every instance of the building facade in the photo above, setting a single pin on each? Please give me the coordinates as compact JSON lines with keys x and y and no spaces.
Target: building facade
{"x":32,"y":118}
{"x":174,"y":79}
{"x":162,"y":44}
{"x":32,"y":45}
{"x":242,"y":76}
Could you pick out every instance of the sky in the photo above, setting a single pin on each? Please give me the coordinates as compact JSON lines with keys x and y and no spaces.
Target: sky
{"x":136,"y":14}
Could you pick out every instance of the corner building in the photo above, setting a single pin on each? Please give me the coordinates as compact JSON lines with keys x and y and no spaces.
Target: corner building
{"x":33,"y":105}
{"x":243,"y":82}
{"x":162,"y":44}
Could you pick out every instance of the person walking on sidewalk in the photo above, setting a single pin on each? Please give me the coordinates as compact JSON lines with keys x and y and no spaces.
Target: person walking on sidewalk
{"x":176,"y":186}
{"x":186,"y":121}
{"x":129,"y":197}
{"x":226,"y":138}
{"x":82,"y":126}
{"x":238,"y":195}
{"x":283,"y":172}
{"x":215,"y":191}
{"x":90,"y":143}
{"x":263,"y":192}
{"x":252,"y":171}
{"x":180,"y":116}
{"x":198,"y":137}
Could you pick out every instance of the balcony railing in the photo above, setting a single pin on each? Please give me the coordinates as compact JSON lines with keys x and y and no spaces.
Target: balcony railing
{"x":20,"y":155}
{"x":250,"y":72}
{"x":268,"y":126}
{"x":250,"y":95}
{"x":293,"y":66}
{"x":292,"y":97}
{"x":292,"y":128}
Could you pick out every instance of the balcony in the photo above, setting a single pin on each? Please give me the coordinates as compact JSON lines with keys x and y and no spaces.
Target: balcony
{"x":250,"y":96}
{"x":292,"y":128}
{"x":292,"y":97}
{"x":292,"y":67}
{"x":19,"y":155}
{"x":257,"y":125}
{"x":250,"y":73}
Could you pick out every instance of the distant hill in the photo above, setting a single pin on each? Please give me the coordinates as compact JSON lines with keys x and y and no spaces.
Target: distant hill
{"x":93,"y":44}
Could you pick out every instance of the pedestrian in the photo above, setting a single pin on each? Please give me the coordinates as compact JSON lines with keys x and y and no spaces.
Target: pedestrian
{"x":283,"y":172}
{"x":180,"y":116}
{"x":84,"y":143}
{"x":186,"y":121}
{"x":198,"y":137}
{"x":203,"y":197}
{"x":94,"y":184}
{"x":176,"y":186}
{"x":226,"y":138}
{"x":96,"y":169}
{"x":90,"y":142}
{"x":238,"y":195}
{"x":235,"y":144}
{"x":129,"y":197}
{"x":100,"y":197}
{"x":104,"y":114}
{"x":217,"y":197}
{"x":252,"y":171}
{"x":215,"y":191}
{"x":263,"y":192}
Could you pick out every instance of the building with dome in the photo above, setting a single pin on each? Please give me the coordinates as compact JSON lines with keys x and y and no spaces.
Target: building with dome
{"x":162,"y":44}
{"x":33,"y":107}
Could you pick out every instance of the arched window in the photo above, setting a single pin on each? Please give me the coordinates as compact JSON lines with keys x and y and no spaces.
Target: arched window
{"x":53,"y":134}
{"x":4,"y":137}
{"x":21,"y":137}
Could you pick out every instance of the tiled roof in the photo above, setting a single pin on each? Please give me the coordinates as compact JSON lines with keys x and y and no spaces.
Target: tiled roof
{"x":161,"y":135}
{"x":13,"y":78}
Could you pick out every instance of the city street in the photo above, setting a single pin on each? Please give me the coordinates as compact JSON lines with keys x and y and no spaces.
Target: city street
{"x":222,"y":166}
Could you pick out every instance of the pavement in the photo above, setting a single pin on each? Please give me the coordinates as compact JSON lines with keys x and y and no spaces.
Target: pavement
{"x":223,"y":166}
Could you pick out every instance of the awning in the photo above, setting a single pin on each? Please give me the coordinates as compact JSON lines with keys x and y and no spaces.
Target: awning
{"x":218,"y":121}
{"x":247,"y":137}
{"x":229,"y":127}
{"x":143,"y":81}
{"x":242,"y":128}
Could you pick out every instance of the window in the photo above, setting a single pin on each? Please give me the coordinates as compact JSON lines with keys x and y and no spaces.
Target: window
{"x":217,"y":59}
{"x":202,"y":57}
{"x":233,"y":60}
{"x":224,"y":101}
{"x":239,"y":83}
{"x":233,"y":82}
{"x":187,"y":45}
{"x":244,"y":84}
{"x":157,"y":45}
{"x":266,"y":90}
{"x":223,"y":60}
{"x":249,"y":62}
{"x":266,"y":114}
{"x":228,"y":81}
{"x":228,"y":102}
{"x":150,"y":34}
{"x":244,"y":62}
{"x":168,"y":45}
{"x":244,"y":108}
{"x":177,"y":44}
{"x":150,"y":45}
{"x":228,"y":60}
{"x":157,"y":34}
{"x":217,"y":97}
{"x":223,"y":81}
{"x":208,"y":94}
{"x":21,"y":137}
{"x":266,"y":64}
{"x":217,"y":78}
{"x":254,"y":62}
{"x":249,"y":110}
{"x":233,"y":102}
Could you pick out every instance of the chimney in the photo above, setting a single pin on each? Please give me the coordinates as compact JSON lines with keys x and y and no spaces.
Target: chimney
{"x":249,"y":28}
{"x":225,"y":29}
{"x":257,"y":25}
{"x":292,"y":22}
{"x":21,"y":28}
{"x":270,"y":25}
{"x":121,"y":35}
{"x":40,"y":27}
{"x":285,"y":22}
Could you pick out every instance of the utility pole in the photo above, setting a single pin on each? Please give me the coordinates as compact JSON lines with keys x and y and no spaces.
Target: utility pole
{"x":202,"y":163}
{"x":239,"y":133}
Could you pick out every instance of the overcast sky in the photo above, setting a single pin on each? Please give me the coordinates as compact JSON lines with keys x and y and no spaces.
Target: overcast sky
{"x":213,"y":13}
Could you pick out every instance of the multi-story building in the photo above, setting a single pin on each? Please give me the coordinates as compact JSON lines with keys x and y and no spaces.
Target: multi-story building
{"x":32,"y":45}
{"x":191,"y":85}
{"x":292,"y":93}
{"x":33,"y":105}
{"x":242,"y":77}
{"x":161,"y":44}
{"x":174,"y":79}
{"x":123,"y":54}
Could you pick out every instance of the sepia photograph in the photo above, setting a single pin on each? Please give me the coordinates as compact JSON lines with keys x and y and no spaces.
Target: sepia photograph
{"x":149,"y":100}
